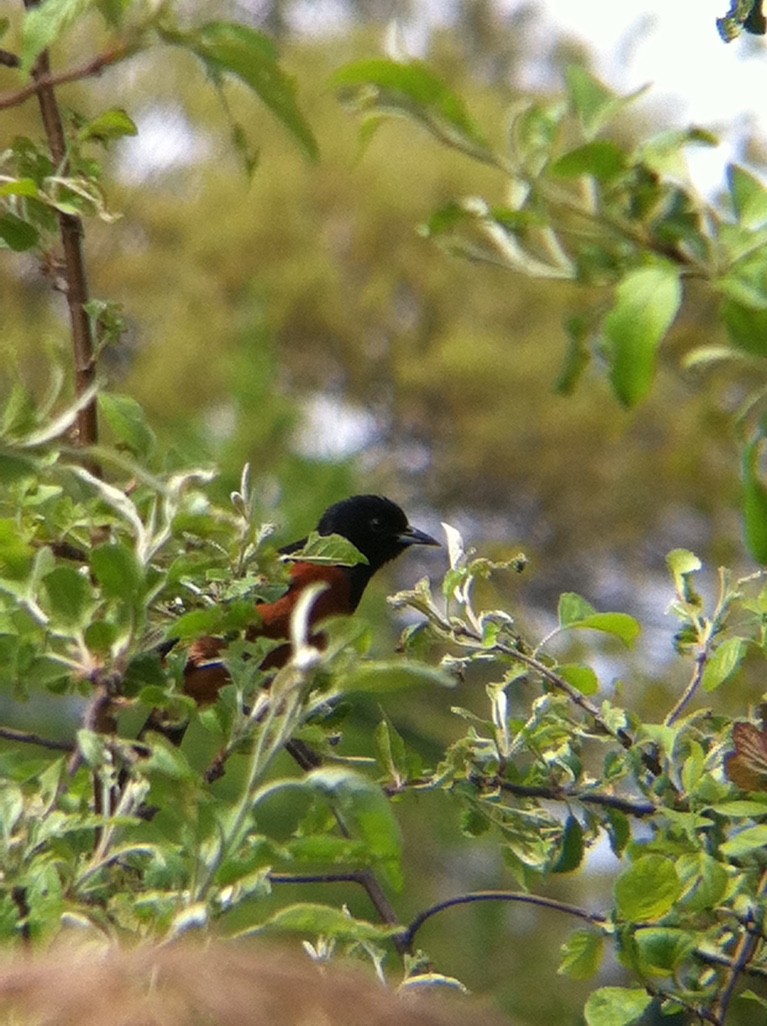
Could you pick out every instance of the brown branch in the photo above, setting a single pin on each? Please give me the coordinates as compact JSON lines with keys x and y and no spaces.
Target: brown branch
{"x":364,"y":878}
{"x":595,"y":918}
{"x":689,"y":692}
{"x":745,"y":951}
{"x":557,"y":794}
{"x":557,"y":681}
{"x":99,"y":717}
{"x":28,"y":738}
{"x":628,"y":806}
{"x":46,"y":79}
{"x":71,"y":230}
{"x":8,"y":59}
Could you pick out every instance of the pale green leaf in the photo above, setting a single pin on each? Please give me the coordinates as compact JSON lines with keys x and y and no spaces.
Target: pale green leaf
{"x":646,"y":303}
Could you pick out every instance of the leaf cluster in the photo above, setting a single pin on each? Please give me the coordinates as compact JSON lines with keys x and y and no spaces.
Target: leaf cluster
{"x":111,"y":558}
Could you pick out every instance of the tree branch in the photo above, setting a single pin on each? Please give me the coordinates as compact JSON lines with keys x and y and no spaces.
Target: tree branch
{"x":365,"y":879}
{"x":745,"y":951}
{"x":8,"y":59}
{"x":689,"y":692}
{"x":520,"y":896}
{"x":45,"y":79}
{"x":77,"y":294}
{"x":557,"y":794}
{"x":28,"y":738}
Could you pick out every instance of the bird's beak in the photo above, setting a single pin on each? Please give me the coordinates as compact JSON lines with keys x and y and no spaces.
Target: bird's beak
{"x":412,"y":536}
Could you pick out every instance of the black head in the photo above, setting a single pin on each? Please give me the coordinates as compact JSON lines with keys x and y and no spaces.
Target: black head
{"x":375,"y":525}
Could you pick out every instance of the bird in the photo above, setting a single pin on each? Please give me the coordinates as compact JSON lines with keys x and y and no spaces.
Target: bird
{"x":375,"y":525}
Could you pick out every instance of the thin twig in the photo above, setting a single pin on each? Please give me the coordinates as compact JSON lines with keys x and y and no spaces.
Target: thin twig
{"x":595,"y":918}
{"x":628,"y":806}
{"x":47,"y":79}
{"x":71,"y":231}
{"x":689,"y":692}
{"x":27,"y":737}
{"x":710,"y":958}
{"x":744,"y":953}
{"x":9,"y":60}
{"x":366,"y":879}
{"x":557,"y":794}
{"x":99,"y":717}
{"x":575,"y":696}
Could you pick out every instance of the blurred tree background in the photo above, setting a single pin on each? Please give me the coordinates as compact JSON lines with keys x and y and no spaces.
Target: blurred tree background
{"x":296,"y":319}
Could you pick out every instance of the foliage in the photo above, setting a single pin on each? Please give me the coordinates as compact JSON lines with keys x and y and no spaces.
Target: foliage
{"x":588,"y":208}
{"x":106,"y":551}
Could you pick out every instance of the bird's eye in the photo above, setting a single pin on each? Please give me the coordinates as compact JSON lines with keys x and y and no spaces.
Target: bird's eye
{"x":376,"y":525}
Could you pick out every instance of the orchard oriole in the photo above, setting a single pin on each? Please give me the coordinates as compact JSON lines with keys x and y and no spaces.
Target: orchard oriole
{"x":376,"y":526}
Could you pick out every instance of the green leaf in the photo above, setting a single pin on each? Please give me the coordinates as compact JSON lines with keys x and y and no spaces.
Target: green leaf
{"x":581,"y":677}
{"x":16,"y":554}
{"x":704,"y":880}
{"x":20,"y":187}
{"x":69,"y":595}
{"x":592,"y":101}
{"x":647,"y":889}
{"x":168,"y":761}
{"x":746,"y":327}
{"x":749,"y":197}
{"x":322,"y":920}
{"x":618,"y":831}
{"x":45,"y":23}
{"x":395,"y":675}
{"x":740,"y":808}
{"x":128,"y":423}
{"x":229,"y":47}
{"x":112,"y":124}
{"x":647,"y":301}
{"x":724,"y":663}
{"x":663,"y":949}
{"x":754,"y":502}
{"x":572,"y":609}
{"x":578,"y":356}
{"x":749,"y":995}
{"x":117,"y":570}
{"x":92,"y":748}
{"x":571,"y":854}
{"x":100,"y":636}
{"x":367,"y":814}
{"x":599,"y":159}
{"x":663,"y":153}
{"x":682,"y":562}
{"x":414,"y":90}
{"x":534,"y":132}
{"x":620,"y":625}
{"x":616,"y":1006}
{"x":391,"y":751}
{"x":324,"y":848}
{"x":17,"y":234}
{"x":575,"y":612}
{"x":328,"y":550}
{"x":11,"y":808}
{"x":581,"y":955}
{"x":195,"y":624}
{"x":748,"y":840}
